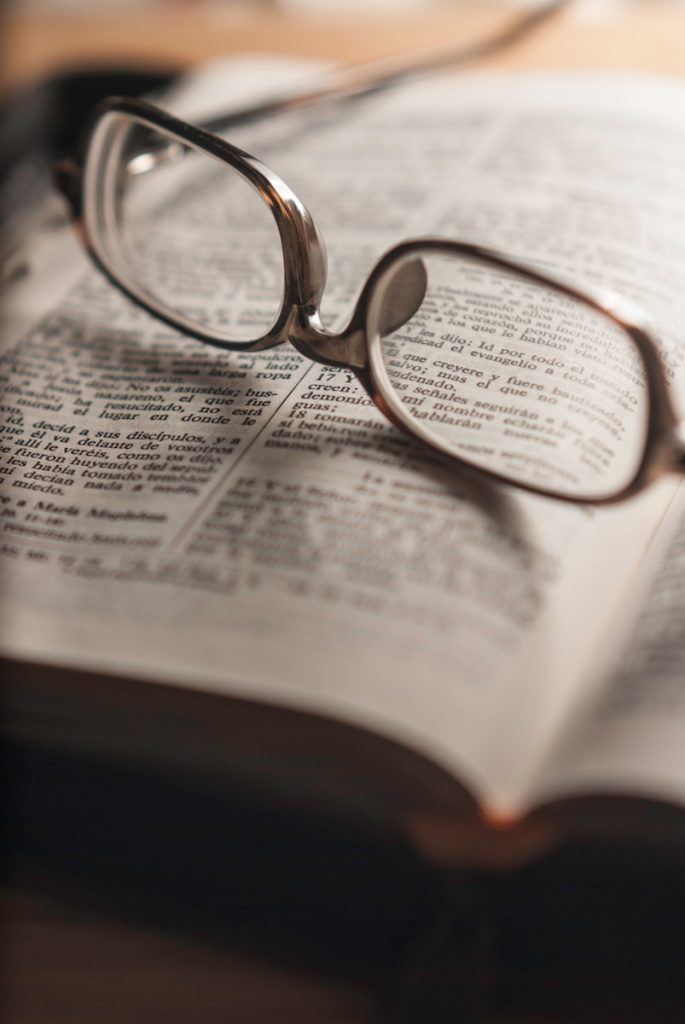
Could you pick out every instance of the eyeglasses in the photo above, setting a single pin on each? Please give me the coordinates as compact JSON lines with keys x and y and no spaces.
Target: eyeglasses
{"x":494,"y":365}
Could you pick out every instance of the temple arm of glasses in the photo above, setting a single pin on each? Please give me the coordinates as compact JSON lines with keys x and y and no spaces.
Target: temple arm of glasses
{"x":363,"y":79}
{"x":359,"y":80}
{"x":346,"y":83}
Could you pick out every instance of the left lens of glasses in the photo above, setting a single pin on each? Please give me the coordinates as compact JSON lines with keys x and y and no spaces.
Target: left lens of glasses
{"x":499,"y":369}
{"x":183,"y":231}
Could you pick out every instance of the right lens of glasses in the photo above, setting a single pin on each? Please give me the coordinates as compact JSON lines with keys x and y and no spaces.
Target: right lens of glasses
{"x":514,"y":377}
{"x":183,"y":230}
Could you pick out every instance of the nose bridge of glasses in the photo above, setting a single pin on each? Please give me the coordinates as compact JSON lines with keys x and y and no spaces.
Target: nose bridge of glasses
{"x":402,"y":292}
{"x":402,"y":295}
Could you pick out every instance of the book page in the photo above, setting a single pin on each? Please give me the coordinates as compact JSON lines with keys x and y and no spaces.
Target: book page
{"x":250,"y":524}
{"x":628,"y":736}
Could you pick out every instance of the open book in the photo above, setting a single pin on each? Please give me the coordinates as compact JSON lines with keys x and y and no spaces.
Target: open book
{"x":192,"y":575}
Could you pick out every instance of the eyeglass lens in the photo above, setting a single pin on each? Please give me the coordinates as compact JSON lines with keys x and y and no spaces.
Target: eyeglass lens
{"x":518,"y":379}
{"x":189,"y":231}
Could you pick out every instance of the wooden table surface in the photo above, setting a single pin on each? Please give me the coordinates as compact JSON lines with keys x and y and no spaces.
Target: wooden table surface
{"x":70,"y":957}
{"x":648,"y":35}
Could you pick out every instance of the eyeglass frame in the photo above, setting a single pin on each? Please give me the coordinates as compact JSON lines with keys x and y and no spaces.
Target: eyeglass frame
{"x":305,"y":275}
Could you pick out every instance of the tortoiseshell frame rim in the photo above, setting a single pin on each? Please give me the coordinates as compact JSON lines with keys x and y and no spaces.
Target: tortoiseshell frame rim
{"x":356,"y":347}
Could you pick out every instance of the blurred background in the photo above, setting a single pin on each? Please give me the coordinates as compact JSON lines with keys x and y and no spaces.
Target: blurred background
{"x":42,"y":36}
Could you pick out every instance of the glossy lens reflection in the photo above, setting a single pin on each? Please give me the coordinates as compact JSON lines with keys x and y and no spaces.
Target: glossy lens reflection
{"x":514,"y":377}
{"x":186,"y":232}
